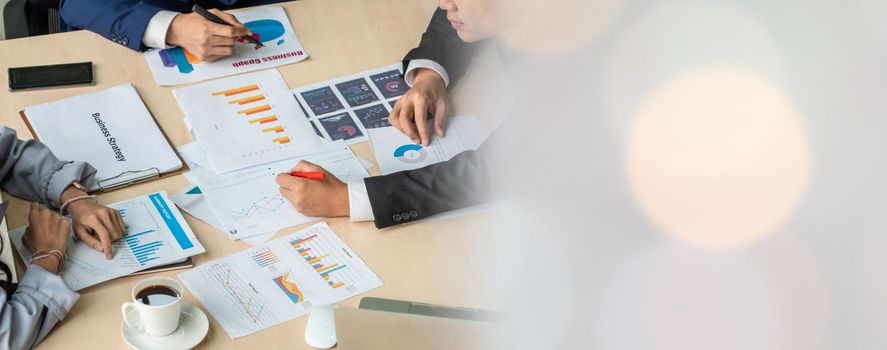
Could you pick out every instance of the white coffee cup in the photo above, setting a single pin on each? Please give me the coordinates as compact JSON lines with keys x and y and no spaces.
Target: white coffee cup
{"x":155,"y":320}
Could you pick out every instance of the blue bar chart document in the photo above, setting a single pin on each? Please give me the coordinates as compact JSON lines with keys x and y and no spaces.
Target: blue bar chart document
{"x":156,"y":234}
{"x":278,"y":281}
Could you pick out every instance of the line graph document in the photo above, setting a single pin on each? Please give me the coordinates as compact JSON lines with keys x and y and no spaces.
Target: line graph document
{"x":396,"y":152}
{"x":156,"y":234}
{"x":278,"y":281}
{"x":269,"y":25}
{"x":249,"y":203}
{"x":247,"y":120}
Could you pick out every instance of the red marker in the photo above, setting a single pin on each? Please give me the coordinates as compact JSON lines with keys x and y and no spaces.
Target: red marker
{"x":313,"y":175}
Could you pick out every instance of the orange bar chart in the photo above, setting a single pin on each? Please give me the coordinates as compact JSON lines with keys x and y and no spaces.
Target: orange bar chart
{"x":282,"y":140}
{"x":250,"y":99}
{"x":264,"y":120}
{"x":255,"y":110}
{"x":277,"y":129}
{"x":236,"y":91}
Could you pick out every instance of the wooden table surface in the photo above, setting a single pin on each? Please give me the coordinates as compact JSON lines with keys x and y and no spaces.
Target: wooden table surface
{"x":435,"y":262}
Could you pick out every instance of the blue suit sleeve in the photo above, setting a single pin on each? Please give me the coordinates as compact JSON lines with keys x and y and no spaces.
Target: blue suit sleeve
{"x":122,"y":21}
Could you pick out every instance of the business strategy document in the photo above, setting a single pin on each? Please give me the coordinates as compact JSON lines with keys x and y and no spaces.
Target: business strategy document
{"x":110,"y":129}
{"x":280,"y":280}
{"x":156,"y":234}
{"x":396,"y":152}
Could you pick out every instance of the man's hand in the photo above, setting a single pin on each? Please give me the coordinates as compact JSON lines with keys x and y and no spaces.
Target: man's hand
{"x":321,"y":198}
{"x":410,"y":114}
{"x":94,"y":224}
{"x":206,"y":40}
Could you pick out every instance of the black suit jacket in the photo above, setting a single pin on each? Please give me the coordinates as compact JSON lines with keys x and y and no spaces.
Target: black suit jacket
{"x":465,"y":180}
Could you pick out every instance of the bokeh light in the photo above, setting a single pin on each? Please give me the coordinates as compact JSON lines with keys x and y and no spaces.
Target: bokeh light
{"x":717,"y":158}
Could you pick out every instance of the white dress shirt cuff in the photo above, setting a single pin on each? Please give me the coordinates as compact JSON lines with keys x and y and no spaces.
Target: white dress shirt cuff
{"x":155,"y":33}
{"x":359,"y":201}
{"x":412,"y":69}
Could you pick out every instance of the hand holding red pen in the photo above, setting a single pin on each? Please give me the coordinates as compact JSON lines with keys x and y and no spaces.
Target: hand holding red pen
{"x":313,"y":191}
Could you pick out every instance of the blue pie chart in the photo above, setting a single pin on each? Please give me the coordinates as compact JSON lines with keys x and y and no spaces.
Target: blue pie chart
{"x":410,"y":153}
{"x":266,"y":29}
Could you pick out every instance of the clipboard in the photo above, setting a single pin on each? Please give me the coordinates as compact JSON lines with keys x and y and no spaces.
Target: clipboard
{"x":133,"y":177}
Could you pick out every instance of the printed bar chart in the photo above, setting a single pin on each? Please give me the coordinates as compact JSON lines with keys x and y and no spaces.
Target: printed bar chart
{"x":143,"y":251}
{"x":282,"y":140}
{"x":317,"y":261}
{"x":236,"y":91}
{"x":264,"y":120}
{"x":250,"y":99}
{"x":255,"y":110}
{"x":277,"y":129}
{"x":264,"y":257}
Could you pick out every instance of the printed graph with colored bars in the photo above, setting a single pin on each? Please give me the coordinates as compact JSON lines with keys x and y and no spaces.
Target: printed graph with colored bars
{"x":320,"y":259}
{"x":143,"y":249}
{"x":264,"y":257}
{"x":252,"y":106}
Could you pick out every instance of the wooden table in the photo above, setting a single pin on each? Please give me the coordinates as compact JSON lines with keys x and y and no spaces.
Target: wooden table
{"x":435,"y":262}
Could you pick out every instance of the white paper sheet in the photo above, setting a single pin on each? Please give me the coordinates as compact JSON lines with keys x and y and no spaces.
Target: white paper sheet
{"x":247,"y":120}
{"x":192,"y":201}
{"x":156,"y":234}
{"x":345,"y":108}
{"x":268,"y":24}
{"x":280,"y":280}
{"x":249,"y":203}
{"x":396,"y":152}
{"x":111,"y":129}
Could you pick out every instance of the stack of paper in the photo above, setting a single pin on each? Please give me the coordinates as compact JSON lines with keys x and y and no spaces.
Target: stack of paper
{"x":247,"y":120}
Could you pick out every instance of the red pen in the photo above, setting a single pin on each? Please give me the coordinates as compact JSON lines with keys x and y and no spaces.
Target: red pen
{"x":314,"y":175}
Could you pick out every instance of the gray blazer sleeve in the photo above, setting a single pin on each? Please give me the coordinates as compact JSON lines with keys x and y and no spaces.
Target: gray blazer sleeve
{"x":29,"y":170}
{"x":41,"y":300}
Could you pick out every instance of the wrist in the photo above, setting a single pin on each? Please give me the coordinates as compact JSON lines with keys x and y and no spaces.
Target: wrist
{"x":427,"y":75}
{"x":50,"y":263}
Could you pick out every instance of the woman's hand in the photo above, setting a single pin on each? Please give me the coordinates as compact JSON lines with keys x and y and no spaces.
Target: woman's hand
{"x":47,"y":230}
{"x":410,"y":114}
{"x":94,"y":224}
{"x":321,"y":198}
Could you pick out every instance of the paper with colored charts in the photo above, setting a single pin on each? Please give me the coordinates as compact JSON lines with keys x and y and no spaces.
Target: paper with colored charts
{"x":248,"y":202}
{"x":269,"y":25}
{"x":278,"y":281}
{"x":346,"y":108}
{"x":246,"y":120}
{"x":156,"y":234}
{"x":396,"y":152}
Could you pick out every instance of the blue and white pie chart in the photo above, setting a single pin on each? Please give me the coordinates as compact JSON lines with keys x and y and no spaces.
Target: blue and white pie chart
{"x":410,"y":153}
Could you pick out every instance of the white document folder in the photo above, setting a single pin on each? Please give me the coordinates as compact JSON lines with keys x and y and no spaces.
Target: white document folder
{"x":112,"y":130}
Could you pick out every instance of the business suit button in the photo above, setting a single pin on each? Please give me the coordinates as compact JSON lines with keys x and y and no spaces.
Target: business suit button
{"x":414,"y":213}
{"x":125,"y":41}
{"x":405,"y":216}
{"x":396,"y":217}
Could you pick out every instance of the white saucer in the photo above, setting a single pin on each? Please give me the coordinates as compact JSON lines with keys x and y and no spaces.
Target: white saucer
{"x":193,"y":327}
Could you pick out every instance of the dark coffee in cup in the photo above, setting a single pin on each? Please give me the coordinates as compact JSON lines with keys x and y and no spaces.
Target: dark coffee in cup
{"x":157,"y":295}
